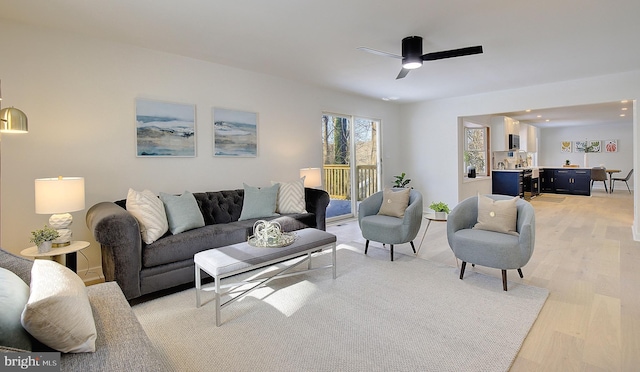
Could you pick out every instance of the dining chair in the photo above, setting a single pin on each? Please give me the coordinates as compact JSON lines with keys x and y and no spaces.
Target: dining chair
{"x":599,"y":174}
{"x":626,"y":180}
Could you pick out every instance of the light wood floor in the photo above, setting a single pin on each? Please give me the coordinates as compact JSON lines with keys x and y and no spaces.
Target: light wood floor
{"x":586,"y":256}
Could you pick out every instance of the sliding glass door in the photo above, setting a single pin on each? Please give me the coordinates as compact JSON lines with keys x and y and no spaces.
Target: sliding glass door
{"x":351,"y":161}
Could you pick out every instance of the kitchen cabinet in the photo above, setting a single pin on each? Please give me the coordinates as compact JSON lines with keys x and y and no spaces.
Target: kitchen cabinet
{"x":528,"y":138}
{"x":572,"y":181}
{"x":501,"y":128}
{"x":507,"y":183}
{"x":546,"y":180}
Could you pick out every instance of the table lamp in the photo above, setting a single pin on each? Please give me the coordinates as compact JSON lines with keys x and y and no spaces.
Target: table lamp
{"x":60,"y":196}
{"x":313,"y":177}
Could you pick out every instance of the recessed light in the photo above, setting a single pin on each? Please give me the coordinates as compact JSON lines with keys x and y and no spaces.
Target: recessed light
{"x":623,"y":115}
{"x":389,"y":98}
{"x":539,"y":116}
{"x":624,"y":109}
{"x":547,"y":120}
{"x":624,"y":101}
{"x":528,"y":110}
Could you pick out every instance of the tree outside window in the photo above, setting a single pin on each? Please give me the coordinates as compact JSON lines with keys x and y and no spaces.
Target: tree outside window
{"x":475,"y":152}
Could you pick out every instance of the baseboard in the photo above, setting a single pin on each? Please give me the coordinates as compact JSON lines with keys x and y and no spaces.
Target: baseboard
{"x":91,"y":276}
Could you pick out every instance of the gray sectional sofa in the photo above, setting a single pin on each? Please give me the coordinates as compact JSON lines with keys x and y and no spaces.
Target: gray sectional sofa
{"x":141,"y":268}
{"x":121,"y":343}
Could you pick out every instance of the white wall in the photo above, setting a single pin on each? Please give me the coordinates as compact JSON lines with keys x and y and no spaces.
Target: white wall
{"x":550,"y":154}
{"x":79,"y":96}
{"x":430,"y":129}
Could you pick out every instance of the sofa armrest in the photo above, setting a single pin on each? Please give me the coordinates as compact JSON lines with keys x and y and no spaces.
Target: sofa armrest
{"x":370,"y":206}
{"x":122,"y":344}
{"x":118,"y":233}
{"x":317,"y":202}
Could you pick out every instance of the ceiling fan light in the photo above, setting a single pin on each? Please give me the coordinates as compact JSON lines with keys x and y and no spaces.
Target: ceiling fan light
{"x":411,"y":65}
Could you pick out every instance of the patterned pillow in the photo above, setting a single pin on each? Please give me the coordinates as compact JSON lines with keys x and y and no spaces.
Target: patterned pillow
{"x":291,"y":197}
{"x":58,"y":313}
{"x":497,"y":215}
{"x":148,"y":209}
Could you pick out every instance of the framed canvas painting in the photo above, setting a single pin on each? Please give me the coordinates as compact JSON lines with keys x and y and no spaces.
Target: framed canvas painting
{"x":565,"y":146}
{"x":610,"y":145}
{"x":235,"y":133}
{"x":165,"y":129}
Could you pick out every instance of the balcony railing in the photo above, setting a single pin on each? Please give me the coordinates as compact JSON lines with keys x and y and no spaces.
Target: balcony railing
{"x":337,"y":179}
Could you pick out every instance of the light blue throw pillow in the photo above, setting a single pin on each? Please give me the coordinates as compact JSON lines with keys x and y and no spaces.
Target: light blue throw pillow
{"x":182,"y":212}
{"x":14,"y":294}
{"x":259,"y":202}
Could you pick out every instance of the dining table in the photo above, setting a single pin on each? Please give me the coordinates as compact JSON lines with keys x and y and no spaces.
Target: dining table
{"x":611,"y":172}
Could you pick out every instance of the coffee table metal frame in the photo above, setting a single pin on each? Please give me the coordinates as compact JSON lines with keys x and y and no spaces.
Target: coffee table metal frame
{"x":303,"y":256}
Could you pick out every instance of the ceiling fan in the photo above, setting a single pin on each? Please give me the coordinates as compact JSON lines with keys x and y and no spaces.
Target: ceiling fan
{"x":412,"y":56}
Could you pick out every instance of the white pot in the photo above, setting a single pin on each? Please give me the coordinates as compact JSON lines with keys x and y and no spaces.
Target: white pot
{"x":45,"y":247}
{"x":441,"y":215}
{"x":586,"y":160}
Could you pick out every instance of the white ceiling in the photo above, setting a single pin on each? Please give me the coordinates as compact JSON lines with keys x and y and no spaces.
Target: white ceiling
{"x":525,"y":42}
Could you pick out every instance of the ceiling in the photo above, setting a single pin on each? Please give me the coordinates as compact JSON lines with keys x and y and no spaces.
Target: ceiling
{"x":525,"y":42}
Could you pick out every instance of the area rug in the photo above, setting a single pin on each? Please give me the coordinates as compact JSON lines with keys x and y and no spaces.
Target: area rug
{"x":378,"y":315}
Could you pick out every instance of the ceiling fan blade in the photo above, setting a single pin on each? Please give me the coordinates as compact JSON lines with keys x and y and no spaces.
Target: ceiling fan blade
{"x":379,"y":52}
{"x":452,"y":53}
{"x":403,"y":73}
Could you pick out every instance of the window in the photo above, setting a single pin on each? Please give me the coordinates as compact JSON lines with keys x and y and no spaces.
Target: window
{"x":475,"y":148}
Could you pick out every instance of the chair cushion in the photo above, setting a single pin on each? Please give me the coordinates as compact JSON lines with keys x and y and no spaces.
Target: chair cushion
{"x":394,"y":202}
{"x":488,"y":248}
{"x":497,"y":215}
{"x":383,"y":229}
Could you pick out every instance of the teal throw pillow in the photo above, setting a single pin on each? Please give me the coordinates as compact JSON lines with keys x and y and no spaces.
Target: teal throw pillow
{"x":14,"y":294}
{"x":182,"y":212}
{"x":259,"y":202}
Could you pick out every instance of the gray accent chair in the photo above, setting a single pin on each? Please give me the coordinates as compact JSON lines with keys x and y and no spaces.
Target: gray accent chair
{"x":488,"y":248}
{"x":387,"y":229}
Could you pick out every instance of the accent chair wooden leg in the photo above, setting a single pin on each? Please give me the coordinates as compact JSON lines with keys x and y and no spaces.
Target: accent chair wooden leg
{"x":366,"y":246}
{"x":504,"y":279}
{"x":391,"y":251}
{"x":464,"y":265}
{"x":413,"y":247}
{"x":520,"y":272}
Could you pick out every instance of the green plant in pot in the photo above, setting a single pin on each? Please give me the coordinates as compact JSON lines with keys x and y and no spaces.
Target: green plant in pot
{"x":440,"y":208}
{"x":43,"y":238}
{"x":401,"y":181}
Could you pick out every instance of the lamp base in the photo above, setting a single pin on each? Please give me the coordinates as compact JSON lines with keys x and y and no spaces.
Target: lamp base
{"x":61,"y":222}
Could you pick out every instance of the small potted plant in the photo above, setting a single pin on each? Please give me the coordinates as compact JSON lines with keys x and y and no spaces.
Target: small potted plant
{"x":43,"y":238}
{"x":401,"y":181}
{"x":441,"y":209}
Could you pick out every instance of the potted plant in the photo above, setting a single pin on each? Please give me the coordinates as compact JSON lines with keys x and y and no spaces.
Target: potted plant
{"x":441,"y":209}
{"x":43,"y":238}
{"x":400,"y":181}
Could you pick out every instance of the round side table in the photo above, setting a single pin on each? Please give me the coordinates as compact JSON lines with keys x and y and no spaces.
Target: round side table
{"x":70,"y":253}
{"x":431,"y":216}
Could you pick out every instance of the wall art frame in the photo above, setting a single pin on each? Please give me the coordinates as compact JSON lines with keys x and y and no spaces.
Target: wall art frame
{"x":165,"y":129}
{"x":610,"y":145}
{"x":566,"y":146}
{"x":235,"y":133}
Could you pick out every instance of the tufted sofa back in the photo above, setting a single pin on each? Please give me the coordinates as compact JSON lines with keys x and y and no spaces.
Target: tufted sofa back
{"x":216,"y":206}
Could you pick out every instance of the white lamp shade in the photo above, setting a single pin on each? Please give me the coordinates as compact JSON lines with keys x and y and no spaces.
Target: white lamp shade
{"x":313,"y":177}
{"x":59,"y":195}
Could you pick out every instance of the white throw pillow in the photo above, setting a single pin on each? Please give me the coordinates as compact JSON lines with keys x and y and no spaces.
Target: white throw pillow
{"x":497,"y":215}
{"x":291,"y":197}
{"x":148,"y":209}
{"x":58,"y":312}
